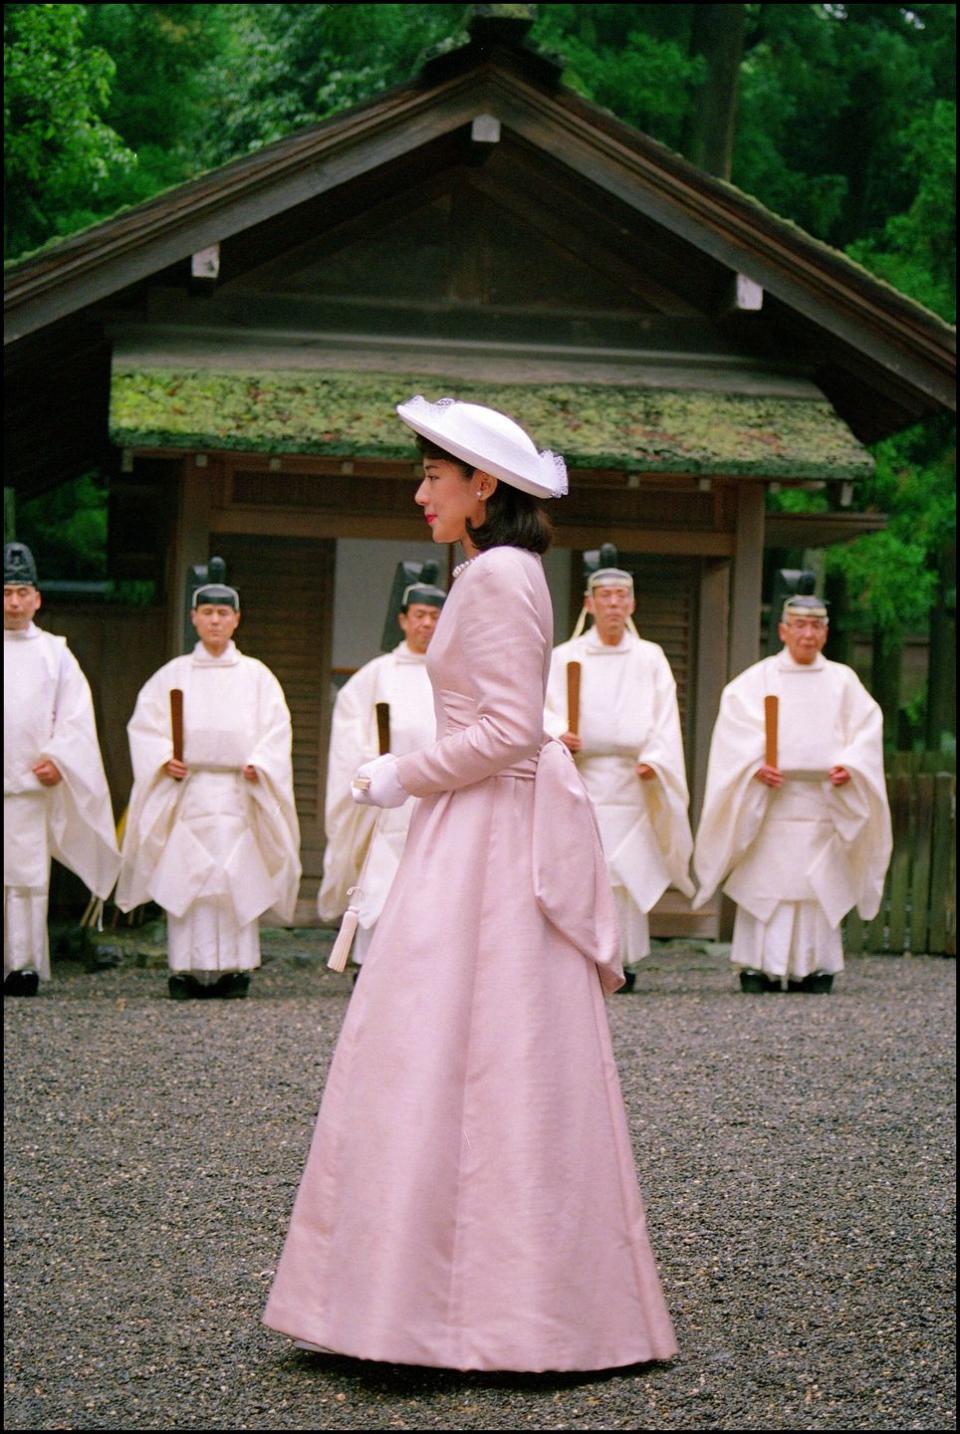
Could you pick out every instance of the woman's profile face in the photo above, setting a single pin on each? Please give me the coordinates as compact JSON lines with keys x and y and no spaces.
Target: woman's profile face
{"x":448,"y":499}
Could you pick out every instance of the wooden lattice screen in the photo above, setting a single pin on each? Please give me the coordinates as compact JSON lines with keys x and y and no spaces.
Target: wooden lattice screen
{"x":918,"y":912}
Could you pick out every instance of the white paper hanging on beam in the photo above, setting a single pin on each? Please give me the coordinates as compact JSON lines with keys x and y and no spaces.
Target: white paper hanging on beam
{"x":485,"y":129}
{"x":749,"y":294}
{"x":205,"y":264}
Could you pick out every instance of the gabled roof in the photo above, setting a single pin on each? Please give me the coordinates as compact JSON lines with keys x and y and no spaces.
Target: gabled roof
{"x":895,"y":357}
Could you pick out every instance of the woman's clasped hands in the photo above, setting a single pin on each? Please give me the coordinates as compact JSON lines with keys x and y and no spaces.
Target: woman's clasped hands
{"x":376,"y":784}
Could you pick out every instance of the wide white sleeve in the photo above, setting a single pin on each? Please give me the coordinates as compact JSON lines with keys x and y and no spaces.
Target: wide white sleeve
{"x":860,"y":810}
{"x":82,"y":831}
{"x":556,"y":718}
{"x":155,"y":797}
{"x":666,"y":795}
{"x":734,"y":803}
{"x":277,"y":828}
{"x":150,"y":731}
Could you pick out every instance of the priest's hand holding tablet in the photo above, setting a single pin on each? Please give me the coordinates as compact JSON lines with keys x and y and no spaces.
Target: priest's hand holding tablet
{"x":376,"y":784}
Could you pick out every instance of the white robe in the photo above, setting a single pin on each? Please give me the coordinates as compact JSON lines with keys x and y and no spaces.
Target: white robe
{"x":48,"y":714}
{"x":795,"y":859}
{"x":215,"y":851}
{"x":367,"y":841}
{"x":629,"y":714}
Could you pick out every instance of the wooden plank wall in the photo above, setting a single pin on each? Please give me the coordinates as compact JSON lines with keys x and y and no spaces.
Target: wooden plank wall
{"x":918,"y":911}
{"x":286,"y":595}
{"x":118,"y":648}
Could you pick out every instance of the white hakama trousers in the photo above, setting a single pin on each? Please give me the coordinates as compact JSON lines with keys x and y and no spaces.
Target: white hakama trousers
{"x":635,"y":864}
{"x":208,"y":937}
{"x":634,"y":928}
{"x":797,"y":941}
{"x":26,"y":884}
{"x":361,"y":944}
{"x":26,"y":946}
{"x":378,"y":873}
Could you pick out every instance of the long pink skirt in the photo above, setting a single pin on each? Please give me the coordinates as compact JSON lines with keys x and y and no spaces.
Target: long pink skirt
{"x":469,"y":1200}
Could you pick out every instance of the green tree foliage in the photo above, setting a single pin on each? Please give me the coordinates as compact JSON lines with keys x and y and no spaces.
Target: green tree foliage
{"x":634,"y":60}
{"x":837,"y":104}
{"x":104,"y":106}
{"x":68,"y":526}
{"x":915,"y":250}
{"x":288,"y":66}
{"x":893,"y":574}
{"x":58,"y":147}
{"x":845,"y":116}
{"x":167,"y":58}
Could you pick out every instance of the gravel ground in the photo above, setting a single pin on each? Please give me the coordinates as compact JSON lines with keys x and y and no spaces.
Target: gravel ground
{"x":795,"y":1154}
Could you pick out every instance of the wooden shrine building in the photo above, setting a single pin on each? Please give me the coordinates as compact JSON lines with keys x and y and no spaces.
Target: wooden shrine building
{"x":231,"y":350}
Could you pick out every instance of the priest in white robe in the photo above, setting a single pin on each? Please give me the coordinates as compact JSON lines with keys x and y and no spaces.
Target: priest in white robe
{"x":800,"y":841}
{"x":55,"y":797}
{"x":365,"y":844}
{"x":212,"y":836}
{"x":629,"y":752}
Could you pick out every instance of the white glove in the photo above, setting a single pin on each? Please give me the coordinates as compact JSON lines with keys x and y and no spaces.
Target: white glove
{"x":384,"y":789}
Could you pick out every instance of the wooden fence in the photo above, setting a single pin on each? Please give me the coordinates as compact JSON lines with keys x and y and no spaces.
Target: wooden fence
{"x":919,"y":909}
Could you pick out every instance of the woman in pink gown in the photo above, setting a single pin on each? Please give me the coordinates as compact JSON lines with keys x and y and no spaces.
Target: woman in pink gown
{"x":469,"y":1200}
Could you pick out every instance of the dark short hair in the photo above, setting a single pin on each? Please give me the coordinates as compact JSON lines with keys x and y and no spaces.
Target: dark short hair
{"x":514,"y":519}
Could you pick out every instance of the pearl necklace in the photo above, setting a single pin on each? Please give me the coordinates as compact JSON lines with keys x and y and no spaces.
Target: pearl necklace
{"x":462,"y":567}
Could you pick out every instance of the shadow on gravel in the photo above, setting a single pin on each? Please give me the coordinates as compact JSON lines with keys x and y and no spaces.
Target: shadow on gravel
{"x":397,"y":1380}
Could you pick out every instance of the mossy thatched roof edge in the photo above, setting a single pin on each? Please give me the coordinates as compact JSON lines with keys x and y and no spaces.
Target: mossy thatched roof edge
{"x":348,"y":413}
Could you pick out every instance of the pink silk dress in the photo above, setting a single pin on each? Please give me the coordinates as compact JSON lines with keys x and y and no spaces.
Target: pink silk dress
{"x":469,"y":1200}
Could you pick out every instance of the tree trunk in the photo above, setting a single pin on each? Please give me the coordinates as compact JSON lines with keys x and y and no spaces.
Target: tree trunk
{"x":717,"y":35}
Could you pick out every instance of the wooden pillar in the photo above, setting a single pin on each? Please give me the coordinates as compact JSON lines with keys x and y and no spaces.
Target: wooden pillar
{"x":745,"y":603}
{"x":747,"y":579}
{"x":191,"y":541}
{"x":712,"y":640}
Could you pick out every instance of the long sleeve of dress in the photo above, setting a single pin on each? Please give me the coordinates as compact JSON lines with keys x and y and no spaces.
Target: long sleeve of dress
{"x":497,"y":718}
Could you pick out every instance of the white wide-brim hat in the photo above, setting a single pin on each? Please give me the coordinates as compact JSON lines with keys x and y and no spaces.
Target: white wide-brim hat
{"x":487,"y":440}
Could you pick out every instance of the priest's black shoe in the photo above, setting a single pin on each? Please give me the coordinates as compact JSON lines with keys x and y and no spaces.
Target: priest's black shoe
{"x":819,"y":983}
{"x":181,"y":988}
{"x":629,"y":981}
{"x":231,"y":985}
{"x":21,"y":983}
{"x":756,"y":982}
